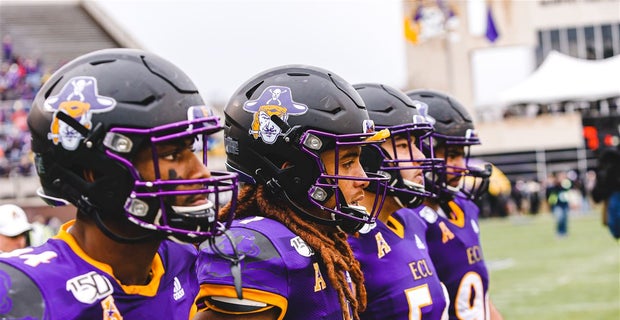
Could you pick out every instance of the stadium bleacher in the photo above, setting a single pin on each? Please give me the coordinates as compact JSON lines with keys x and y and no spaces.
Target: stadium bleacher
{"x":36,"y":39}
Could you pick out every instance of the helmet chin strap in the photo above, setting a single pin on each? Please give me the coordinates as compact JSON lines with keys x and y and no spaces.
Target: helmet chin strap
{"x":350,"y":226}
{"x":275,"y":188}
{"x":206,"y":210}
{"x":342,"y":224}
{"x":304,"y":213}
{"x":190,"y":215}
{"x":410,"y":200}
{"x":84,"y":205}
{"x":92,"y":211}
{"x":413,"y":186}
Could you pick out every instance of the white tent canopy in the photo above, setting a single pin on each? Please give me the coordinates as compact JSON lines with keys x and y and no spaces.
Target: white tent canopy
{"x":564,"y":78}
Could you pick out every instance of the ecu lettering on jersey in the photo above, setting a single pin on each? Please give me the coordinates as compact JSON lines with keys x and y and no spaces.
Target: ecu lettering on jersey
{"x":420,"y":269}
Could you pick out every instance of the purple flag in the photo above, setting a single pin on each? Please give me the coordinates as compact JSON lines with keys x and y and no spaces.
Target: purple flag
{"x":491,"y":33}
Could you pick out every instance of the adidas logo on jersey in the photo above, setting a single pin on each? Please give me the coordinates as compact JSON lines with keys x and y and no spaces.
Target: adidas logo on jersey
{"x":474,"y":226}
{"x":428,"y":214}
{"x":419,"y":243}
{"x":178,"y":292}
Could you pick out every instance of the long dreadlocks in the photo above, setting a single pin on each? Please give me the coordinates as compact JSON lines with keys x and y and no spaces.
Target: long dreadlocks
{"x":330,"y":243}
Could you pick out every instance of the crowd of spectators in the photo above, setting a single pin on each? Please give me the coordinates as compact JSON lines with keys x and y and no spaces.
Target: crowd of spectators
{"x":532,"y":197}
{"x":20,"y":78}
{"x":14,"y":140}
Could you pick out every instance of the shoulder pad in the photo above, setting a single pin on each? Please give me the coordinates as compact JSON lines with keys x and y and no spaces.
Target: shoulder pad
{"x":20,"y":298}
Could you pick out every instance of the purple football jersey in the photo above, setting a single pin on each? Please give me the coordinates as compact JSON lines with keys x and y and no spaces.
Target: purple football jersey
{"x":454,"y":245}
{"x":74,"y":286}
{"x":279,"y":269}
{"x":400,"y":278}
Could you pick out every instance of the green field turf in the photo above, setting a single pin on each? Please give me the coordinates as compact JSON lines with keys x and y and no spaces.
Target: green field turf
{"x":536,"y":276}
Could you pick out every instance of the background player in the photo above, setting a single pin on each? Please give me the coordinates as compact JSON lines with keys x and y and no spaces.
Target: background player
{"x":453,"y":234}
{"x":113,"y":133}
{"x":400,"y":278}
{"x":607,"y":188}
{"x":294,"y":134}
{"x":14,"y":228}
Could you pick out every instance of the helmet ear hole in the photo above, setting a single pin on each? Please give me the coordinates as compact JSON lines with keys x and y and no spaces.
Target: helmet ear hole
{"x":297,"y":179}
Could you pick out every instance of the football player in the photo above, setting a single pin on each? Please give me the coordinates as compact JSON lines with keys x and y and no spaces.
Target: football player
{"x":400,"y":278}
{"x":294,"y":135}
{"x":453,"y":235}
{"x":114,"y":133}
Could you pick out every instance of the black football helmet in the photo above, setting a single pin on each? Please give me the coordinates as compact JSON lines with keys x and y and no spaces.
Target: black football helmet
{"x":291,"y":114}
{"x":453,"y":127}
{"x":95,"y":113}
{"x":391,"y":109}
